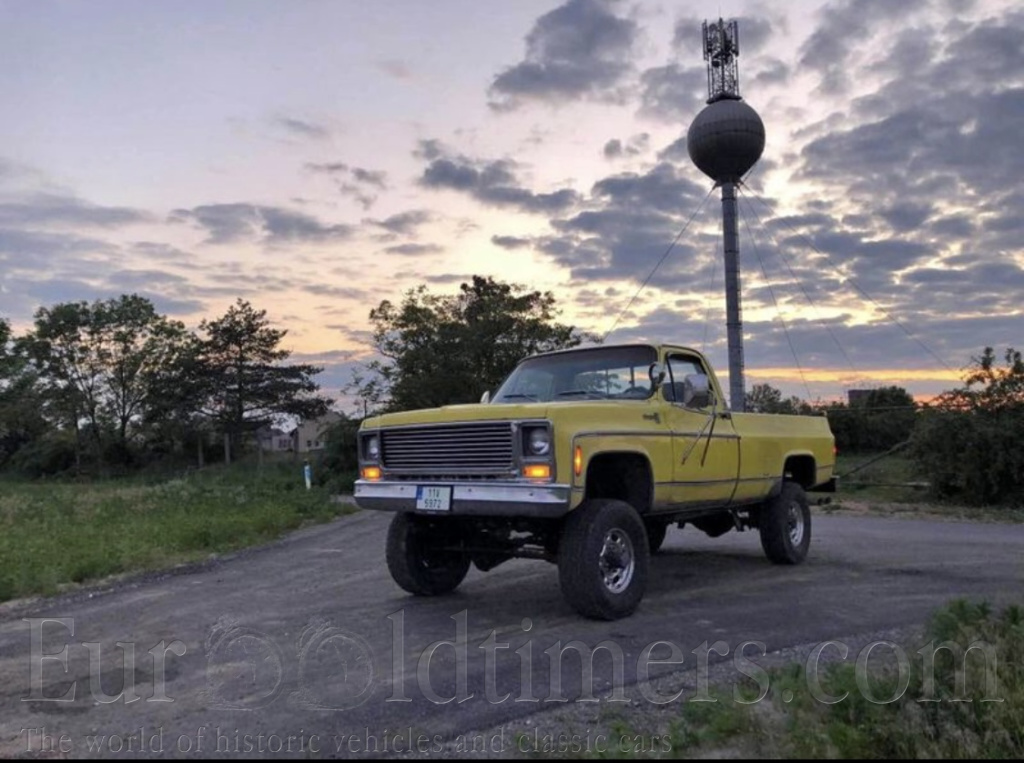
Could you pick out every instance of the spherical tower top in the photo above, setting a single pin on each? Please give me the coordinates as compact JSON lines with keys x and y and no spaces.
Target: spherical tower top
{"x":726,"y":140}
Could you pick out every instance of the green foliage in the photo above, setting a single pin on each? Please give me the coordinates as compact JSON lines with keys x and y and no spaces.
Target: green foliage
{"x":57,"y":533}
{"x":960,"y":721}
{"x":21,"y":402}
{"x":245,"y":381}
{"x":96,"y":365}
{"x":764,"y":398}
{"x":338,"y":463}
{"x":882,"y":419}
{"x":125,"y":386}
{"x":52,"y":452}
{"x":444,"y":349}
{"x":968,"y":446}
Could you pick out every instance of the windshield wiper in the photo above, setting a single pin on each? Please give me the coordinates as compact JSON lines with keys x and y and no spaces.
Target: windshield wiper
{"x":574,"y":392}
{"x":519,"y":396}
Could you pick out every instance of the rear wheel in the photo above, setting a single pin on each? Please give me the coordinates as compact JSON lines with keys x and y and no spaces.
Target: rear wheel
{"x":420,"y":558}
{"x":603,"y":558}
{"x":785,"y":525}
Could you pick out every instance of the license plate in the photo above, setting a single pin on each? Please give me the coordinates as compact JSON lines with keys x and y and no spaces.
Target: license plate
{"x":433,"y":498}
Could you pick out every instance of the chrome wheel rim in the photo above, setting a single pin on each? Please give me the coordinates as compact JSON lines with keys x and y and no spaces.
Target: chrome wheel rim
{"x":795,"y":524}
{"x":617,"y":560}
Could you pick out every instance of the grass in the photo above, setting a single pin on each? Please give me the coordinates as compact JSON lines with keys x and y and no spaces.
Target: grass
{"x":961,"y":721}
{"x":887,"y":479}
{"x":58,"y":533}
{"x":892,"y":485}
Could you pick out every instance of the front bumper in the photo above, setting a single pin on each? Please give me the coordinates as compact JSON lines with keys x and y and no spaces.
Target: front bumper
{"x":474,"y":499}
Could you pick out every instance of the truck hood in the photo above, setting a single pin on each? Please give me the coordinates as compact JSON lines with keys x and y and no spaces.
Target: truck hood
{"x":451,"y":414}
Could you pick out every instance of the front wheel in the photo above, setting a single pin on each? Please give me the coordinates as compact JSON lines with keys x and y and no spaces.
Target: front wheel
{"x":420,"y":557}
{"x":603,"y":558}
{"x":785,"y":525}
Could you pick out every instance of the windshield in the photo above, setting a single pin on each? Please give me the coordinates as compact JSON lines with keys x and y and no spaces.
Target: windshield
{"x":603,"y":373}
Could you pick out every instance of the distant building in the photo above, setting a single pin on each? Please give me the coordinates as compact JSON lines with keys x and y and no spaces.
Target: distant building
{"x":309,"y":435}
{"x":274,"y":440}
{"x":854,"y":396}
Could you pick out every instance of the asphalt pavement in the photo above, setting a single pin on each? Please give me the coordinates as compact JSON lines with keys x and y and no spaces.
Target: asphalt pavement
{"x":307,"y":648}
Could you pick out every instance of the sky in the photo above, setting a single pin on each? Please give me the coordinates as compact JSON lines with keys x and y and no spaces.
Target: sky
{"x":316,"y":157}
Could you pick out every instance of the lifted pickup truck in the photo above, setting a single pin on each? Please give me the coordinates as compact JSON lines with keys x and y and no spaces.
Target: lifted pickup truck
{"x":584,"y":458}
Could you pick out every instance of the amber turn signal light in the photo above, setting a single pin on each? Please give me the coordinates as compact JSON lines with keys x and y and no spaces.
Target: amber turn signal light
{"x":537,"y":471}
{"x":577,"y":461}
{"x":371,"y":472}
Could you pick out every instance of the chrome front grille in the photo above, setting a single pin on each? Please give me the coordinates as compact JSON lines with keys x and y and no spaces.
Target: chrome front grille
{"x":455,"y":449}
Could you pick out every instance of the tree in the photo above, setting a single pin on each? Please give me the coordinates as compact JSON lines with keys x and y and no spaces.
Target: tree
{"x":62,"y":350}
{"x":882,"y":419}
{"x":98,"y":363}
{"x":968,"y":442}
{"x":988,"y":387}
{"x":764,"y":398}
{"x":243,"y":377}
{"x":21,"y":416}
{"x":134,"y":345}
{"x":444,"y":349}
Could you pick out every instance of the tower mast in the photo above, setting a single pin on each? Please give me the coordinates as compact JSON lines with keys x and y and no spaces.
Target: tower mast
{"x":725,"y":141}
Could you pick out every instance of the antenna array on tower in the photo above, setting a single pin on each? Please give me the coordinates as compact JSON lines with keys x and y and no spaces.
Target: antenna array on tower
{"x":721,"y":49}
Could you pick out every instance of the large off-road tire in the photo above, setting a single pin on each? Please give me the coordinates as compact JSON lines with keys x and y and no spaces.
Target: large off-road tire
{"x":417,"y":559}
{"x":603,"y":558}
{"x":785,"y":525}
{"x":656,"y":532}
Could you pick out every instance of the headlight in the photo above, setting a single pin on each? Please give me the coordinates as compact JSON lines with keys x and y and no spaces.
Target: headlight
{"x":373,"y":447}
{"x":539,"y":442}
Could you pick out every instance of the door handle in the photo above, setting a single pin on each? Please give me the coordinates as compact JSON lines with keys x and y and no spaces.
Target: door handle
{"x":655,"y":417}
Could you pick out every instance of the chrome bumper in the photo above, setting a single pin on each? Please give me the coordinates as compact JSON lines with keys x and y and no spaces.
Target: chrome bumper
{"x":476,"y":499}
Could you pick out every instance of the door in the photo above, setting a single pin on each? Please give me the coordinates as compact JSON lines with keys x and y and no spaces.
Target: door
{"x":705,"y":447}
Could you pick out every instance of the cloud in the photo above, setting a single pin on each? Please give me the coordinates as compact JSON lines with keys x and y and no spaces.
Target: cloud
{"x":846,"y":26}
{"x":675,"y":151}
{"x":491,"y":182}
{"x":404,"y":223}
{"x":625,"y":226}
{"x":376,"y":179}
{"x":510,"y":242}
{"x":336,"y":292}
{"x":395,"y":68}
{"x":414,"y":250}
{"x":634,"y":146}
{"x":302,"y":128}
{"x":673,"y":93}
{"x":152,"y":250}
{"x":40,"y":251}
{"x":228,"y":223}
{"x":580,"y":50}
{"x":46,"y":210}
{"x":358,"y":183}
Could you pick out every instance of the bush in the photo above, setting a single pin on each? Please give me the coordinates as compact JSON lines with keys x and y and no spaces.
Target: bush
{"x":973,"y":457}
{"x":881,"y":420}
{"x":338,"y":463}
{"x":51,"y":454}
{"x":971,"y":451}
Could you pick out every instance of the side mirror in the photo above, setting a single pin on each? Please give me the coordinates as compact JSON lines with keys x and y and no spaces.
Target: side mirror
{"x":486,"y":397}
{"x":696,"y":391}
{"x":657,"y":373}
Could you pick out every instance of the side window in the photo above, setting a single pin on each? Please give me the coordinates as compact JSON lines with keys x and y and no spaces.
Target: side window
{"x":679,"y":367}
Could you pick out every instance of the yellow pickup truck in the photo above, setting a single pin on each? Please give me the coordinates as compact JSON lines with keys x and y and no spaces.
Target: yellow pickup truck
{"x":585,"y":457}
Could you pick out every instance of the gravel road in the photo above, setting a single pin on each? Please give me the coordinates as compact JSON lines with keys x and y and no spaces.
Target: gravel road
{"x":306,"y":647}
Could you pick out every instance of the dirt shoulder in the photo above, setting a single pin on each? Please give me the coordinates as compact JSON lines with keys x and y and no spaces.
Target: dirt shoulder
{"x":868,"y":507}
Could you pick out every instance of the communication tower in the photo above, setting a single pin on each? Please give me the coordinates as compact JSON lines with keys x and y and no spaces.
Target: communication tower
{"x":725,"y":141}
